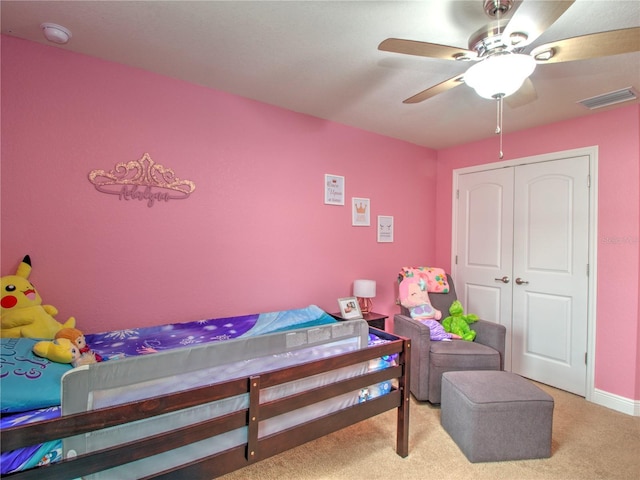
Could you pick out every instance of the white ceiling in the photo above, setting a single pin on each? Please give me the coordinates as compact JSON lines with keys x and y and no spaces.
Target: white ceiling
{"x":321,"y":57}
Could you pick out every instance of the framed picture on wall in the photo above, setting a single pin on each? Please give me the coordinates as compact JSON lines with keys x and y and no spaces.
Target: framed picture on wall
{"x":333,"y":189}
{"x":385,"y":229}
{"x":360,"y":212}
{"x":349,"y":308}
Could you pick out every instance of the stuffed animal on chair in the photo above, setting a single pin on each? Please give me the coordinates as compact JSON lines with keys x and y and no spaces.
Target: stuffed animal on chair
{"x":415,"y":298}
{"x":22,"y":313}
{"x":458,"y":322}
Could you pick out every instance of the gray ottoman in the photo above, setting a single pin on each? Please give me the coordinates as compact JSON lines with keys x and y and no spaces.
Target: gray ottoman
{"x":495,"y":415}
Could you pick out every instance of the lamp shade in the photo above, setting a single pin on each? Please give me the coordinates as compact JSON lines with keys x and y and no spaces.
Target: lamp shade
{"x":500,"y":75}
{"x":364,"y":288}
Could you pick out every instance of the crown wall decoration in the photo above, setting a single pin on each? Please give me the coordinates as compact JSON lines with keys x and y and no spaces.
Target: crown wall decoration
{"x":360,"y":212}
{"x":142,"y":180}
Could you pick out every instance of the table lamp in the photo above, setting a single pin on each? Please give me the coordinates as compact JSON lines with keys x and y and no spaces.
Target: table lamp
{"x":364,"y":291}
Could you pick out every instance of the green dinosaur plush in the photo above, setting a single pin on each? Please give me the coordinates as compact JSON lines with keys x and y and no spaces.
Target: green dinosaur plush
{"x":458,"y":323}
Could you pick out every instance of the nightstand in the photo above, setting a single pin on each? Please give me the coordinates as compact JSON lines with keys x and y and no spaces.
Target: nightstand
{"x":376,"y":320}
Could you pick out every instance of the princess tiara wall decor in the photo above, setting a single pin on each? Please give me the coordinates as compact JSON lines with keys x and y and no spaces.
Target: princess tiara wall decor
{"x":142,"y":180}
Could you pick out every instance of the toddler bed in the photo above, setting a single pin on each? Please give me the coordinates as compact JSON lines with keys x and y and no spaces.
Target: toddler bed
{"x":217,"y":406}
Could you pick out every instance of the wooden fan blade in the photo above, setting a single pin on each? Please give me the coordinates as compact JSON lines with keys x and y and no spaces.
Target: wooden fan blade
{"x":435,"y":90}
{"x":613,"y":42}
{"x":533,"y":18}
{"x":525,"y":94}
{"x":424,"y":49}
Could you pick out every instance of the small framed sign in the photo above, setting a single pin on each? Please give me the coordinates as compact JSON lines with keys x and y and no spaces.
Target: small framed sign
{"x":360,"y":213}
{"x":333,"y":189}
{"x":349,"y":308}
{"x":385,"y":229}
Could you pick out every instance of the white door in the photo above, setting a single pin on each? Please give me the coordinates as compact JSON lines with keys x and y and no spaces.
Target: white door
{"x":534,"y":271}
{"x":485,"y":246}
{"x":550,"y":268}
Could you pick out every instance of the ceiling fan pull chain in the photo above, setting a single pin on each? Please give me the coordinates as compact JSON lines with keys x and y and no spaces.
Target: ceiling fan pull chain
{"x":500,"y":97}
{"x":499,"y":121}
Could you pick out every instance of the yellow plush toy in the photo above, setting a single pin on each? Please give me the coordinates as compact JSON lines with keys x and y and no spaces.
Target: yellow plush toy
{"x":64,"y":350}
{"x":22,"y":313}
{"x":61,"y":350}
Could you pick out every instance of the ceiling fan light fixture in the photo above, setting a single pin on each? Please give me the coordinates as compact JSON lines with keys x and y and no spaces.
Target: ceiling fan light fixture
{"x":500,"y":75}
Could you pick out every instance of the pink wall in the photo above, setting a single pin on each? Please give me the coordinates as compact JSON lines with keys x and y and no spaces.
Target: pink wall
{"x":617,"y":135}
{"x":255,"y":236}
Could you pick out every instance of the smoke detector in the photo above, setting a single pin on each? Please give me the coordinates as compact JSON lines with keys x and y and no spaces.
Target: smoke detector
{"x":55,"y":33}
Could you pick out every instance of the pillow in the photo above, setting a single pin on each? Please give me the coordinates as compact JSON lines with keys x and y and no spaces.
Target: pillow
{"x":436,"y":278}
{"x":27,"y":381}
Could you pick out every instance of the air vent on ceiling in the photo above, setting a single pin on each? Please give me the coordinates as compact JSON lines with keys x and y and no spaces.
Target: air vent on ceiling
{"x":610,"y":98}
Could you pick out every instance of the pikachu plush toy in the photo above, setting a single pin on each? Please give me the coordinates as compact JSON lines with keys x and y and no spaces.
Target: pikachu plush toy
{"x":22,"y":313}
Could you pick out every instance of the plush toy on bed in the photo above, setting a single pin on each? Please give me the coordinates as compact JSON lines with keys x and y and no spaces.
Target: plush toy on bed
{"x":22,"y":313}
{"x":61,"y":350}
{"x":414,"y":297}
{"x":77,"y":338}
{"x":458,"y":322}
{"x":69,"y":346}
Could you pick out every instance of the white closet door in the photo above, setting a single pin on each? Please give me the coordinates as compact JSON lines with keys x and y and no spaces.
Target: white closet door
{"x":521,"y":261}
{"x":485,"y":246}
{"x":551,"y":248}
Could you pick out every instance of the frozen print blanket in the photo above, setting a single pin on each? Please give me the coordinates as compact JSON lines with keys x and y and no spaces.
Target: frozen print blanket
{"x":146,"y":340}
{"x":35,"y":455}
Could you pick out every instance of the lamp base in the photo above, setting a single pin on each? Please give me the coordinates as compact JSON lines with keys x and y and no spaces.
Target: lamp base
{"x":365,"y":305}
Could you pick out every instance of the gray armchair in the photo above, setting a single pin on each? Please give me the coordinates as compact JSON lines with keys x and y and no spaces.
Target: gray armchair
{"x":429,"y":360}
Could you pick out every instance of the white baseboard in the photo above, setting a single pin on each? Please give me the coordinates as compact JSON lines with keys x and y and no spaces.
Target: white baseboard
{"x":616,"y":402}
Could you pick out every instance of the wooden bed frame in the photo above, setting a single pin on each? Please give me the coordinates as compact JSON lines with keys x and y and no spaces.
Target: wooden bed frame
{"x":255,"y":449}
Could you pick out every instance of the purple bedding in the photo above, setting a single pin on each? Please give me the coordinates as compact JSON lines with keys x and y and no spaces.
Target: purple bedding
{"x":143,"y":341}
{"x":36,"y":455}
{"x":146,"y":340}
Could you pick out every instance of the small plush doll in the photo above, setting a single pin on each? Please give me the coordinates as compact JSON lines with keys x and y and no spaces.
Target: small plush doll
{"x":22,"y":313}
{"x":458,"y":323}
{"x":67,"y":347}
{"x":414,"y":297}
{"x":77,"y":338}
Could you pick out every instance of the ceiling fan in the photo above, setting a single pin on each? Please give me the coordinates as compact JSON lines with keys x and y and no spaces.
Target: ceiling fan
{"x":504,"y":54}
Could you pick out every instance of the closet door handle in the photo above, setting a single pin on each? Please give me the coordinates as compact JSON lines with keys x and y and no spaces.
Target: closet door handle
{"x":520,"y":281}
{"x":504,"y":279}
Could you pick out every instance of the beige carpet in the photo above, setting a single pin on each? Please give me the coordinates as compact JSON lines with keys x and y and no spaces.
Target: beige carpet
{"x":589,"y":442}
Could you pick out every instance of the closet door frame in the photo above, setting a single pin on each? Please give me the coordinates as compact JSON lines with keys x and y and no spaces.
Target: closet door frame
{"x":592,"y":154}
